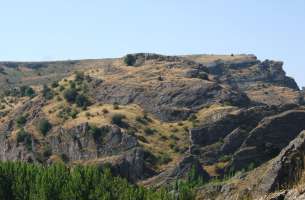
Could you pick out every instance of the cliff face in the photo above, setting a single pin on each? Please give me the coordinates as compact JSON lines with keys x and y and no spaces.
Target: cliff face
{"x":156,"y":120}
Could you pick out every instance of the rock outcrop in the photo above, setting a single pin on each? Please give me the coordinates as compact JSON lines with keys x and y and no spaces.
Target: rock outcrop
{"x":276,"y":179}
{"x":79,"y":144}
{"x":132,"y":165}
{"x":236,"y":113}
{"x":264,"y":82}
{"x":286,"y":169}
{"x":226,"y":135}
{"x":270,"y":136}
{"x":170,"y":101}
{"x":188,"y":166}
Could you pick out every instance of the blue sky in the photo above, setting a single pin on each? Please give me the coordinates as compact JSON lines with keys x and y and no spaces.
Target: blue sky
{"x":74,"y":29}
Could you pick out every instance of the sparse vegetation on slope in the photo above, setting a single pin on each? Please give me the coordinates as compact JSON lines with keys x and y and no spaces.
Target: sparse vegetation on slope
{"x":150,"y":118}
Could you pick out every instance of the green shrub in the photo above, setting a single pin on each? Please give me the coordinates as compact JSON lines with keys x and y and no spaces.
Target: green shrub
{"x":47,"y":92}
{"x":117,"y":119}
{"x":47,"y":152}
{"x":54,"y":84}
{"x":225,"y":158}
{"x":70,"y":95}
{"x":44,"y":126}
{"x":192,"y":117}
{"x":141,"y":120}
{"x":73,"y":113}
{"x":25,"y":138}
{"x":105,"y":111}
{"x":164,"y":159}
{"x":79,"y":76}
{"x":64,"y":157}
{"x":82,"y":101}
{"x":149,"y":131}
{"x":142,"y":139}
{"x":131,"y":131}
{"x":116,"y":106}
{"x":21,"y":120}
{"x":98,"y":132}
{"x":61,"y":88}
{"x":129,"y":60}
{"x":227,"y":103}
{"x":26,"y":91}
{"x":174,"y":137}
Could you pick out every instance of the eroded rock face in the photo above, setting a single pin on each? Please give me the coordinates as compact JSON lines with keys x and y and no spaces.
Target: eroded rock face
{"x":78,"y":144}
{"x":268,"y":138}
{"x":31,"y":107}
{"x":226,"y":135}
{"x":279,"y":178}
{"x":264,"y":82}
{"x":182,"y":170}
{"x":170,"y":101}
{"x":132,"y":165}
{"x":286,"y":168}
{"x":12,"y":151}
{"x":252,"y":72}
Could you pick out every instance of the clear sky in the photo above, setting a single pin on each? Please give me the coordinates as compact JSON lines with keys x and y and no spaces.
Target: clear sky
{"x":74,"y":29}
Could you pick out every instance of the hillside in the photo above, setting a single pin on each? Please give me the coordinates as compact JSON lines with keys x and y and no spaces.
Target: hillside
{"x":155,"y":119}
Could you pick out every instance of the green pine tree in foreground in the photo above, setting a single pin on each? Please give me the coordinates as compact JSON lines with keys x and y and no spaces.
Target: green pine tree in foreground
{"x":24,"y":181}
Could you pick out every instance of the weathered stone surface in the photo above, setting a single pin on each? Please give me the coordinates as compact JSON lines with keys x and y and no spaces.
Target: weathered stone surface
{"x":264,"y":82}
{"x":286,"y":168}
{"x":10,"y":150}
{"x":167,"y":100}
{"x":247,"y":73}
{"x":233,"y":141}
{"x":181,"y":171}
{"x":78,"y":144}
{"x":131,"y":165}
{"x":268,"y":138}
{"x":225,"y":136}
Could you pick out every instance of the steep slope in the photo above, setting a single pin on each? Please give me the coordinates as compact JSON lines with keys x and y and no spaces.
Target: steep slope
{"x":153,"y":119}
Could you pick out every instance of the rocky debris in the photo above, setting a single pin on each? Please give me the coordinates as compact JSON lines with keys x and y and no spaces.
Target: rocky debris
{"x":189,"y":165}
{"x":132,"y":165}
{"x":268,"y":138}
{"x":79,"y":144}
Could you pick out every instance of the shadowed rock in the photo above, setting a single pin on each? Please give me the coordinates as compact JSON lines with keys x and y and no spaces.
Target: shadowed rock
{"x":268,"y":138}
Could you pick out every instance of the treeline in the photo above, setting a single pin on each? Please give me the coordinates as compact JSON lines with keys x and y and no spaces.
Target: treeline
{"x":24,"y":181}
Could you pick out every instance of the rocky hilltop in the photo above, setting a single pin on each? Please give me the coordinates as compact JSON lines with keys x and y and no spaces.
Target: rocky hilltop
{"x":155,"y":119}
